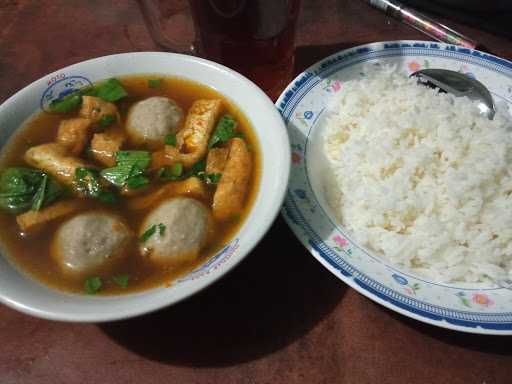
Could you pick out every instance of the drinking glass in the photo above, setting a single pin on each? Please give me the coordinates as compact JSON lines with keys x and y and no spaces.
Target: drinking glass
{"x":253,"y":37}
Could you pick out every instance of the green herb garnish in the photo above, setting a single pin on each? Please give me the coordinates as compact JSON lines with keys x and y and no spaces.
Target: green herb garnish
{"x":154,"y":83}
{"x":121,"y":280}
{"x":147,"y":234}
{"x":106,"y":120}
{"x":137,"y":181}
{"x":212,"y":178}
{"x":87,"y":182}
{"x":39,"y":196}
{"x":22,"y":189}
{"x":92,"y":285}
{"x":67,"y":104}
{"x":107,"y":197}
{"x":161,"y":229}
{"x":224,"y":131}
{"x":198,"y":167}
{"x":129,"y":169}
{"x":170,"y":139}
{"x":110,"y":90}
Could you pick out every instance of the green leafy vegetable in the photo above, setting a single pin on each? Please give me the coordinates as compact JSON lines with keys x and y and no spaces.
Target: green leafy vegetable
{"x":106,"y":120}
{"x":198,"y":167}
{"x":161,"y":229}
{"x":111,"y":90}
{"x":170,"y":139}
{"x":67,"y":104}
{"x":107,"y":197}
{"x":87,"y":182}
{"x":140,"y":159}
{"x":39,"y":196}
{"x":154,"y":83}
{"x":212,"y":178}
{"x":121,"y":280}
{"x":22,"y":189}
{"x":129,"y":169}
{"x":148,"y":233}
{"x":137,"y":181}
{"x":92,"y":285}
{"x":224,"y":131}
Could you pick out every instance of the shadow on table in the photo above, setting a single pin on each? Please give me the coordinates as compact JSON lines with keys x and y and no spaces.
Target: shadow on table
{"x":483,"y":343}
{"x":274,"y":297}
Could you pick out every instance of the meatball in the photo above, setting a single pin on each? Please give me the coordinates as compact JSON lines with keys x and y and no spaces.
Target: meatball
{"x":180,"y":226}
{"x":89,"y":241}
{"x":150,"y":120}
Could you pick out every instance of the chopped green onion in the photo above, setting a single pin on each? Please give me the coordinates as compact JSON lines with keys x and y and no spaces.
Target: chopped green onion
{"x":154,"y":83}
{"x":200,"y":166}
{"x":212,"y":178}
{"x":177,"y":169}
{"x":224,"y":131}
{"x":161,"y":229}
{"x":121,"y":280}
{"x":92,"y":285}
{"x":111,"y":90}
{"x":148,"y":233}
{"x":137,"y":181}
{"x":39,"y":196}
{"x":170,"y":139}
{"x":107,"y":197}
{"x":66,"y":104}
{"x":106,"y":120}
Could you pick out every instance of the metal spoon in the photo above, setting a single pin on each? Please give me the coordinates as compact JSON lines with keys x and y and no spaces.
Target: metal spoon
{"x":459,"y":84}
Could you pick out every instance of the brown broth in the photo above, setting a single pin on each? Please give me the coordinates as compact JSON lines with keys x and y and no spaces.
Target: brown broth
{"x":31,"y":252}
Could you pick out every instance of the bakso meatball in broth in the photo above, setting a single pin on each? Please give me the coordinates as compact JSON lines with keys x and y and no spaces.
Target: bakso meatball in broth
{"x":180,"y":228}
{"x":150,"y":120}
{"x":90,"y":241}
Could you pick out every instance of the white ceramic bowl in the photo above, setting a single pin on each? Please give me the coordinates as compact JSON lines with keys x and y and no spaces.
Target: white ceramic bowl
{"x":25,"y":294}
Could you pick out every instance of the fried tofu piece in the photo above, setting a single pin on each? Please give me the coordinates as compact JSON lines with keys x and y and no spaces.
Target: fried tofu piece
{"x":74,"y":134}
{"x":192,"y":139}
{"x":231,"y":191}
{"x":191,"y":187}
{"x":105,"y":145}
{"x":33,"y":220}
{"x":216,"y":160}
{"x":54,"y":159}
{"x":94,"y":109}
{"x":167,"y":156}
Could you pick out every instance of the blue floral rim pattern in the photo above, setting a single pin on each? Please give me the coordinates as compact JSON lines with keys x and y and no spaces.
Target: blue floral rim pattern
{"x":480,"y":322}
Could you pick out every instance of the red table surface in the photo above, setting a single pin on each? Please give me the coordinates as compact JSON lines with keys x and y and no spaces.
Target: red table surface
{"x":279,"y":317}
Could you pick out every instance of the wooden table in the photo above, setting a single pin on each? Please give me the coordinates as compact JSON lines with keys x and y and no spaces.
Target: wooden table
{"x":280,"y":317}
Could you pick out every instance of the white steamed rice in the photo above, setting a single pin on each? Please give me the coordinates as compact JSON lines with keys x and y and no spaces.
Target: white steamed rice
{"x":421,"y":178}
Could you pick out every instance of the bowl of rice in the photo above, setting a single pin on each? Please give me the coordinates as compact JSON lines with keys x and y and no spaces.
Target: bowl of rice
{"x":401,"y":191}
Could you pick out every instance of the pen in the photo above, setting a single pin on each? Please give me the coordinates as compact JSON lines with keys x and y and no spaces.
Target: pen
{"x":423,"y":23}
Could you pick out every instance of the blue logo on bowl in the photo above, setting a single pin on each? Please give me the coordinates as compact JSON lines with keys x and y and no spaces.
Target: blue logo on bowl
{"x":61,"y":86}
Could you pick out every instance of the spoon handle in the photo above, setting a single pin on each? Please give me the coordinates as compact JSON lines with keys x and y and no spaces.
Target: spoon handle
{"x":423,"y":23}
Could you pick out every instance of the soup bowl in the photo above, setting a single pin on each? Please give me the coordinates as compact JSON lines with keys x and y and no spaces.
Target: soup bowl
{"x":24,"y":293}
